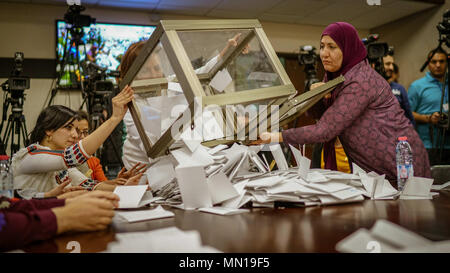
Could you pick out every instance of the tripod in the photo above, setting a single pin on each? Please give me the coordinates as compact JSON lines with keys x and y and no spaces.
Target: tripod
{"x":15,"y":128}
{"x":68,"y":59}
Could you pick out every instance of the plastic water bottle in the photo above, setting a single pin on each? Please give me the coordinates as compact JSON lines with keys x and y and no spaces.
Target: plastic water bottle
{"x":404,"y":158}
{"x":6,"y":178}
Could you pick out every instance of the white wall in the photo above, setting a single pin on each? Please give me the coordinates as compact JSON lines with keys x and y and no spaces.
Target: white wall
{"x":31,"y":29}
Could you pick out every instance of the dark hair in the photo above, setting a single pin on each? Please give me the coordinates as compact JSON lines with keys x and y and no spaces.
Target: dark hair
{"x":83,"y":115}
{"x":129,"y":57}
{"x":50,"y":119}
{"x":438,"y":50}
{"x":395,"y":68}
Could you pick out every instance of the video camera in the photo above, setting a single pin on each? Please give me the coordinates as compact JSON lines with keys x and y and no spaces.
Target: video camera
{"x":74,"y":18}
{"x":444,"y":28}
{"x":308,"y":57}
{"x":376,"y":51}
{"x":16,"y":83}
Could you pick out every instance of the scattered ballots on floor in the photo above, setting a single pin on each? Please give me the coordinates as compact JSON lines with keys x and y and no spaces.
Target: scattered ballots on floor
{"x":197,"y":177}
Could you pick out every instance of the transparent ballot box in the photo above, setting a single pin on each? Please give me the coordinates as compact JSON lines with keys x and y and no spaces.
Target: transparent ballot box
{"x":216,"y":81}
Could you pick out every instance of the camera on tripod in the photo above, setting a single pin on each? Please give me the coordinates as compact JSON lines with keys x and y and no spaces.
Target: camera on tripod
{"x":376,"y":51}
{"x":444,"y":28}
{"x":308,"y":57}
{"x":74,"y":17}
{"x":16,"y":83}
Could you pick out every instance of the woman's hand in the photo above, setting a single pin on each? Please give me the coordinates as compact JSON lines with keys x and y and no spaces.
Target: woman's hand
{"x":134,"y":180}
{"x":317,"y":84}
{"x":268,"y":137}
{"x":61,"y":189}
{"x":88,"y":212}
{"x":137,"y":169}
{"x":120,"y":101}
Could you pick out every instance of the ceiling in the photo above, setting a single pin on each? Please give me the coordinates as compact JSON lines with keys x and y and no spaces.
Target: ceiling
{"x":308,"y":12}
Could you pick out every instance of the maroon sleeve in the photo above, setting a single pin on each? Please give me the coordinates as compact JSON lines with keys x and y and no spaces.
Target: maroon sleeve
{"x":21,"y":228}
{"x":348,"y":106}
{"x":36,"y":204}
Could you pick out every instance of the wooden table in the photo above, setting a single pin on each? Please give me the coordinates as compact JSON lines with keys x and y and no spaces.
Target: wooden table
{"x":312,"y":229}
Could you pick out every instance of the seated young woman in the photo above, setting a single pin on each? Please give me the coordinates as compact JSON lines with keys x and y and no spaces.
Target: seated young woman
{"x":93,"y":166}
{"x":55,"y":151}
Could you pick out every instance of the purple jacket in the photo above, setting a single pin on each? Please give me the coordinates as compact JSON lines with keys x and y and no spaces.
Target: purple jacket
{"x":368,"y":120}
{"x":26,"y":221}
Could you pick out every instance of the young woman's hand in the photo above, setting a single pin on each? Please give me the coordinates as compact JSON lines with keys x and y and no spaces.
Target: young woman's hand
{"x":120,"y":101}
{"x":137,"y":169}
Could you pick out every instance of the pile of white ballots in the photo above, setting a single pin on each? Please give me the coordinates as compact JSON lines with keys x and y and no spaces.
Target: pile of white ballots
{"x":223,"y":179}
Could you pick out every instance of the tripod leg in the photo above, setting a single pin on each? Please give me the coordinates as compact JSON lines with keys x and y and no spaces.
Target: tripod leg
{"x":24,"y":132}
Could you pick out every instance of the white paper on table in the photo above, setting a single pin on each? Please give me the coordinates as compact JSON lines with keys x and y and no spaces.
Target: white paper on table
{"x":278,"y":155}
{"x":238,"y":166}
{"x":161,"y":173}
{"x":316,"y":177}
{"x":329,"y":186}
{"x":264,"y":182}
{"x":130,"y":196}
{"x":233,"y":159}
{"x":199,"y":157}
{"x":192,"y":144}
{"x":346,"y":193}
{"x":417,"y":187}
{"x":220,"y":188}
{"x":285,"y":187}
{"x":358,"y":170}
{"x":213,"y":168}
{"x":223,"y":210}
{"x":193,"y":187}
{"x":217,"y":149}
{"x":259,"y":164}
{"x":342,"y":176}
{"x":221,"y":80}
{"x":235,"y":202}
{"x":303,"y":163}
{"x":148,"y":214}
{"x":440,"y":187}
{"x":165,"y":240}
{"x":330,"y":200}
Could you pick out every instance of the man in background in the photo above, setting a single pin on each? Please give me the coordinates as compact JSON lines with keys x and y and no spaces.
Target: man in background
{"x":425,"y":96}
{"x":397,"y":89}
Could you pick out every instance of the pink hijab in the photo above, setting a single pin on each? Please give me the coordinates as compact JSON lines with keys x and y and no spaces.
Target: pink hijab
{"x":353,"y":51}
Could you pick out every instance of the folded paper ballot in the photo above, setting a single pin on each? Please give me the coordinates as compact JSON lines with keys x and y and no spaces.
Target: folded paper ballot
{"x":133,"y":196}
{"x":166,"y":240}
{"x":193,"y":187}
{"x":221,"y":188}
{"x":387,"y":237}
{"x":278,"y":155}
{"x":223,"y":210}
{"x":147,"y":214}
{"x":417,"y":188}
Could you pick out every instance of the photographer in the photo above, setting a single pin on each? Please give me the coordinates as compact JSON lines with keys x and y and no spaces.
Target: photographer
{"x":425,"y":97}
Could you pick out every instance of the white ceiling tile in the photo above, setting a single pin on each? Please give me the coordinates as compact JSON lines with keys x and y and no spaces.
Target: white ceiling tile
{"x":147,"y":5}
{"x":204,"y":4}
{"x":297,"y":7}
{"x":185,"y":10}
{"x":232,"y":14}
{"x":251,"y":6}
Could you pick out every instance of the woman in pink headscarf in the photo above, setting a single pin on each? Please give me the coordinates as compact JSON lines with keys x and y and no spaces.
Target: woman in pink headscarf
{"x":362,"y":111}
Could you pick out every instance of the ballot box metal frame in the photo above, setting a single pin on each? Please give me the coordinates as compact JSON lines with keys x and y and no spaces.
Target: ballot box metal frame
{"x":166,"y":33}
